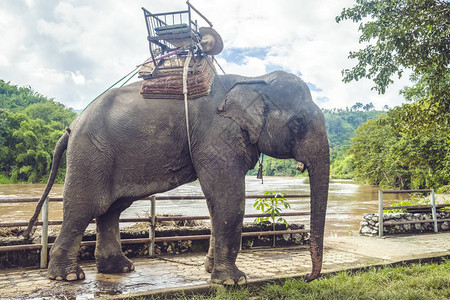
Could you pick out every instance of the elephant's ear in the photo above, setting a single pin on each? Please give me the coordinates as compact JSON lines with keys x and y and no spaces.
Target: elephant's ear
{"x":245,"y":105}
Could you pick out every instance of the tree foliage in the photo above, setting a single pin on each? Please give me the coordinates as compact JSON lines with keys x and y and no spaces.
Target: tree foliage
{"x":406,"y":34}
{"x":383,"y":156}
{"x":409,"y":146}
{"x":30,"y":126}
{"x":342,"y":123}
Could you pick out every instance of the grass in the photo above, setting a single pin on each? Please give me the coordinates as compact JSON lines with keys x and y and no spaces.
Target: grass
{"x":415,"y":281}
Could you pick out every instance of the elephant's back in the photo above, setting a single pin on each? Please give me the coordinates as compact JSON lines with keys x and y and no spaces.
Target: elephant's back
{"x":123,"y":117}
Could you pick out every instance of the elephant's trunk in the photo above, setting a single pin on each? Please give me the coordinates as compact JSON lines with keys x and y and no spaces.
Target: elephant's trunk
{"x":319,"y":171}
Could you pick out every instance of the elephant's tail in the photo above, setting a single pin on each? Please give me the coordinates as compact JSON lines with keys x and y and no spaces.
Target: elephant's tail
{"x":60,"y":147}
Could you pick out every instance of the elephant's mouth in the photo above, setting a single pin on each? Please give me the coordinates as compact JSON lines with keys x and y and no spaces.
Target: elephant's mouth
{"x":300,"y":166}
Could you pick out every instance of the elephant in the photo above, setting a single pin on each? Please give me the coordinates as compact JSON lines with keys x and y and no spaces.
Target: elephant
{"x":123,"y":148}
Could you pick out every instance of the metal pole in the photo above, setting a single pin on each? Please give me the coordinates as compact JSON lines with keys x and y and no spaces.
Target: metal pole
{"x":433,"y":211}
{"x":44,"y":235}
{"x":151,"y":248}
{"x":199,"y":13}
{"x":274,"y":236}
{"x":380,"y":213}
{"x":240,"y":244}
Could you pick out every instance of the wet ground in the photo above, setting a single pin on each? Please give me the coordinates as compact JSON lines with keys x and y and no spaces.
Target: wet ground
{"x":153,"y":276}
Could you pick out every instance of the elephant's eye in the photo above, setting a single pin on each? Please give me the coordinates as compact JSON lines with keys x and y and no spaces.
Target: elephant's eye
{"x":297,"y":126}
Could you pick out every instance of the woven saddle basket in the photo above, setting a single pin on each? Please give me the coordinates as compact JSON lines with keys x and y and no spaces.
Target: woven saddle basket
{"x":166,"y":81}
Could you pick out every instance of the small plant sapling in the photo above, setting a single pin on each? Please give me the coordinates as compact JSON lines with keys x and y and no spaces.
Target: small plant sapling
{"x":272,"y":206}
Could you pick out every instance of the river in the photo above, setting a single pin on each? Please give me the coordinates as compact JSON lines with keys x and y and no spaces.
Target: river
{"x":347,"y":203}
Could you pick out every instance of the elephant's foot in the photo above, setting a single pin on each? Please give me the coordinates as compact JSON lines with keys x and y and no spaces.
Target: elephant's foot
{"x":68,"y":272}
{"x":228,"y":277}
{"x":114,"y":264}
{"x":209,"y":264}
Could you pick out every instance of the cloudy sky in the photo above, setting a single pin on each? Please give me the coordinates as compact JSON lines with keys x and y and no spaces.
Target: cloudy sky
{"x":72,"y":50}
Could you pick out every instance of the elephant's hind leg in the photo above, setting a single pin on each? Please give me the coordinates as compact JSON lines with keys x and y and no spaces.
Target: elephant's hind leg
{"x":108,"y":251}
{"x":63,"y":263}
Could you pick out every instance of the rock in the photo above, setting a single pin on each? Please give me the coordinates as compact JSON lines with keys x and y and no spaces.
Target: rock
{"x":297,"y":237}
{"x":396,"y":215}
{"x":367,"y":216}
{"x":445,"y":226}
{"x":375,"y":218}
{"x":366,"y":230}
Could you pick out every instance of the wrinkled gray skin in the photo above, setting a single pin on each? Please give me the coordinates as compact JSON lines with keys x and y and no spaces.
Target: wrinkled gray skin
{"x":124,"y":147}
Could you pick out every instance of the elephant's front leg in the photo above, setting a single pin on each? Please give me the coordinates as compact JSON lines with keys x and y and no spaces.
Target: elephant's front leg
{"x":226,"y":198}
{"x":227,"y":237}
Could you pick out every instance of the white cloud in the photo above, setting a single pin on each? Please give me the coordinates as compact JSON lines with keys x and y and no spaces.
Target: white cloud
{"x":78,"y":78}
{"x":250,"y":66}
{"x":30,"y":3}
{"x":74,"y":50}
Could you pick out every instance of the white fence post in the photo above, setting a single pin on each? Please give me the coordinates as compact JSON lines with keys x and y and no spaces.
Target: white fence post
{"x":44,"y":235}
{"x":433,"y":211}
{"x":380,"y":214}
{"x":151,"y":233}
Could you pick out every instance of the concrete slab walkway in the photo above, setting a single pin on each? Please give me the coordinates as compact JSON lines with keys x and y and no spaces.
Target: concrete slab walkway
{"x":153,"y":276}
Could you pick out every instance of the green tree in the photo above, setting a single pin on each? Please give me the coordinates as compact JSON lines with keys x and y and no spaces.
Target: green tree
{"x":409,"y":146}
{"x":50,"y":111}
{"x":405,"y":34}
{"x":383,"y":156}
{"x":30,"y":125}
{"x":357,"y":106}
{"x":15,"y":98}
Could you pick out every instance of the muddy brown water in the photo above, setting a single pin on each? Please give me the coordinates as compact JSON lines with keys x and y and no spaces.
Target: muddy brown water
{"x":347,"y":203}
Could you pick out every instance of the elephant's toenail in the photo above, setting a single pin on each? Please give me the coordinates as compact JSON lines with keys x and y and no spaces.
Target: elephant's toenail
{"x":125,"y":269}
{"x":242,"y":280}
{"x":59,"y":278}
{"x":81,"y":276}
{"x":71,"y":277}
{"x":229,"y":282}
